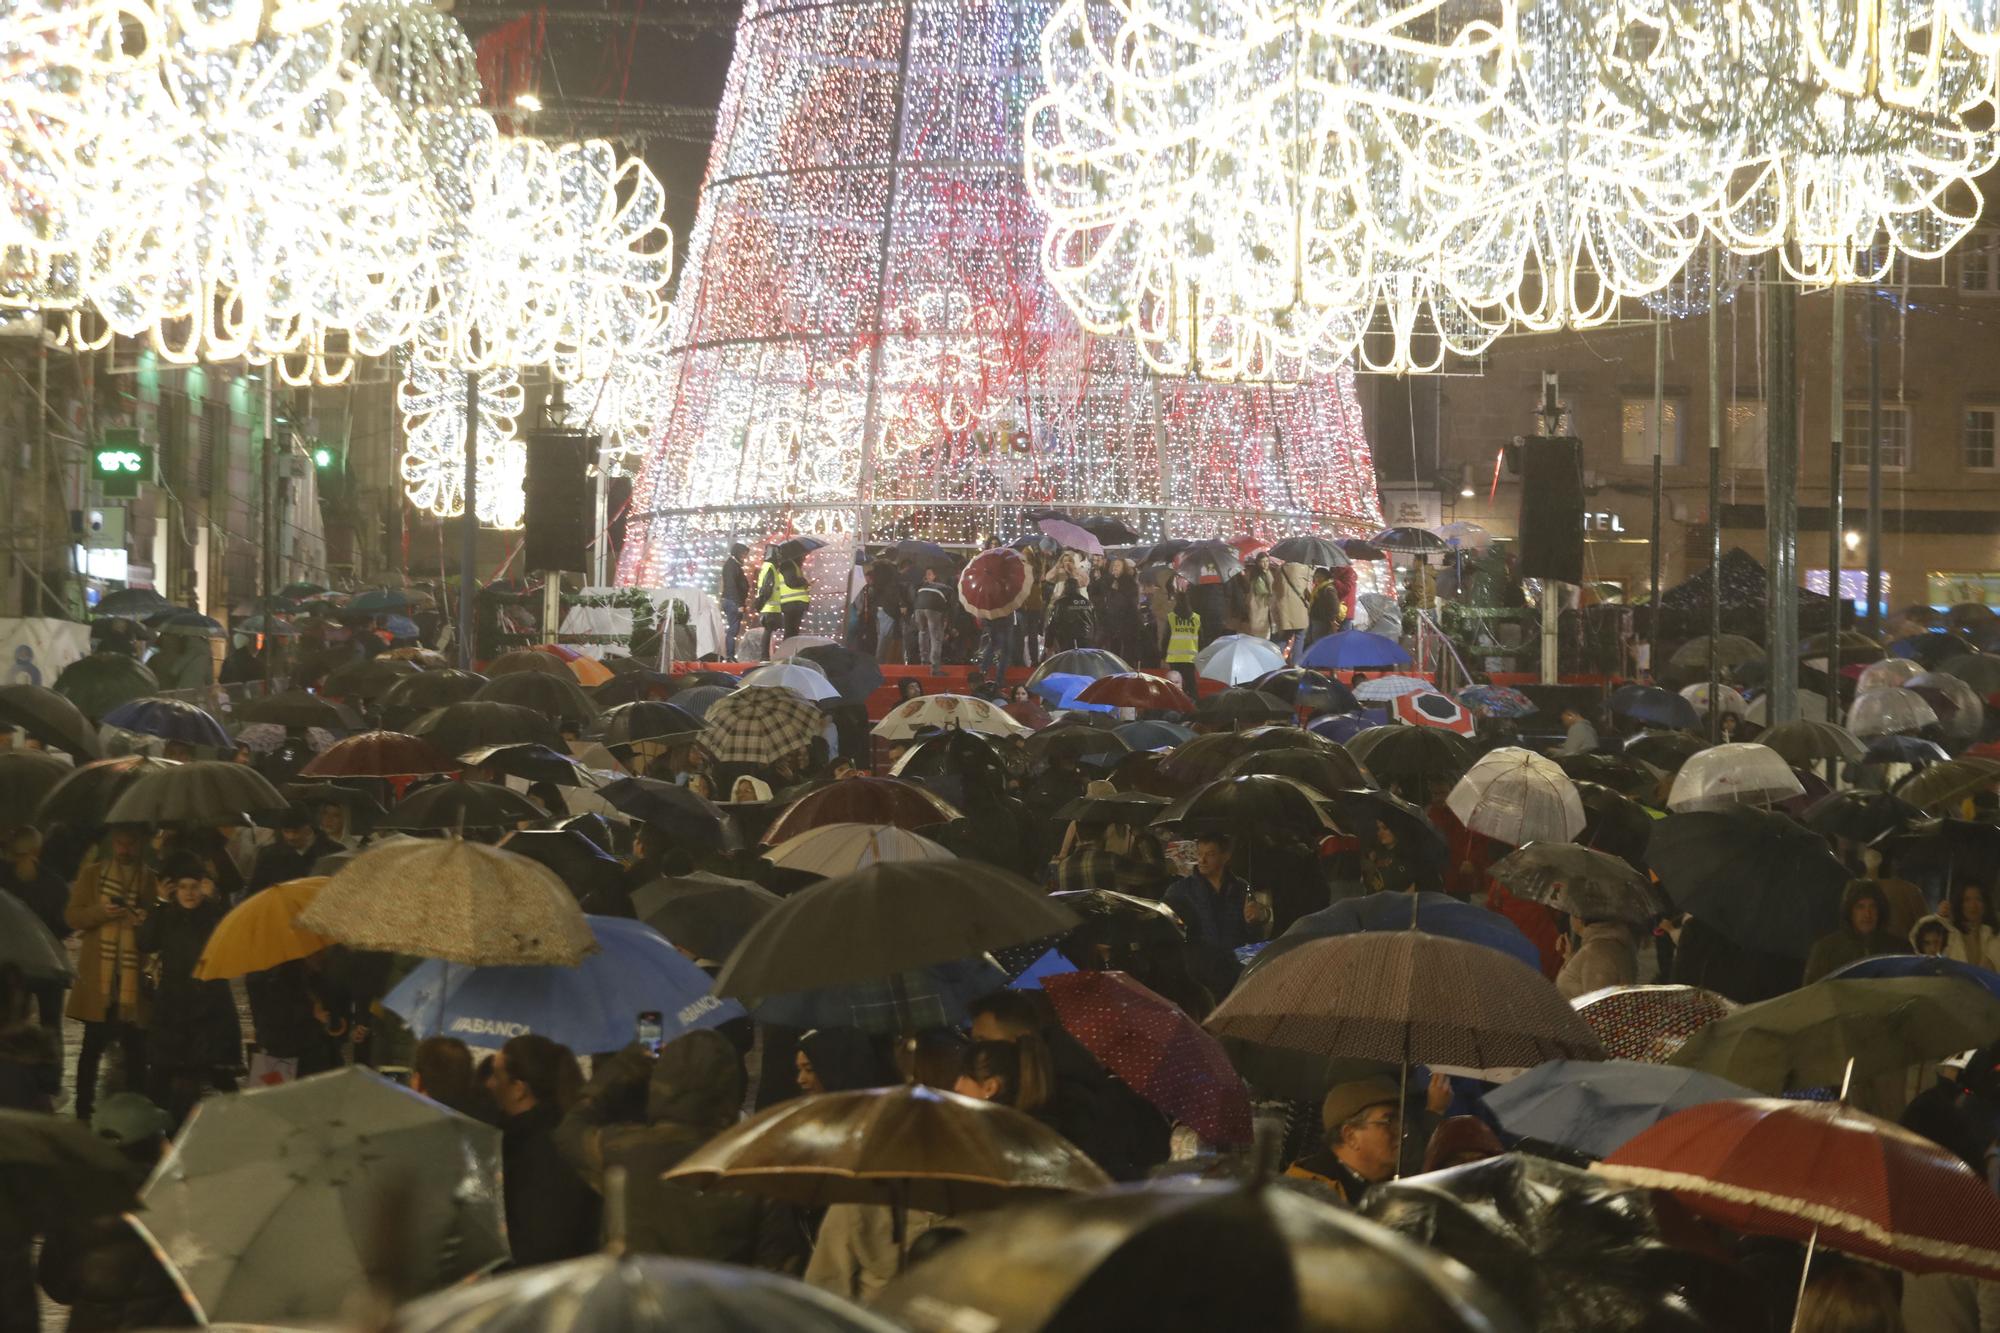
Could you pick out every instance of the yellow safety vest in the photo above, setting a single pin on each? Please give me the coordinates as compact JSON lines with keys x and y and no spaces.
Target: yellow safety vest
{"x":1183,"y":638}
{"x":782,"y":592}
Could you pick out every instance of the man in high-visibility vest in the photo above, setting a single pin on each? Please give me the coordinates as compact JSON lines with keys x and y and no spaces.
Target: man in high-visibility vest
{"x":1183,"y":640}
{"x":782,"y":597}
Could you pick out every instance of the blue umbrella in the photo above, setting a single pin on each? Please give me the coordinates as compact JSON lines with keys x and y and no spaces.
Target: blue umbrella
{"x":1345,"y":727}
{"x":591,"y":1007}
{"x":933,"y":996}
{"x":1497,"y":701}
{"x":1049,"y":964}
{"x":401,"y":627}
{"x":697,"y":698}
{"x":1354,"y":650}
{"x":1919,"y":965}
{"x":1655,"y":707}
{"x":170,"y":720}
{"x":1437,"y":914}
{"x":1904,"y":750}
{"x":1153,"y":735}
{"x":1059,"y":690}
{"x":1598,"y":1106}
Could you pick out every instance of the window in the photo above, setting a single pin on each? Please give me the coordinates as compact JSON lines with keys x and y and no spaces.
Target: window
{"x":1895,"y":436}
{"x":1979,"y":262}
{"x":1977,"y":439}
{"x":1638,"y":423}
{"x":1744,"y":433}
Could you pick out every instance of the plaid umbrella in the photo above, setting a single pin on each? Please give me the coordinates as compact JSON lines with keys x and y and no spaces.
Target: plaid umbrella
{"x":1156,"y":1050}
{"x":759,"y":725}
{"x":1588,"y":884}
{"x":1400,"y":997}
{"x":1649,"y":1023}
{"x":463,"y":902}
{"x":1824,"y":1172}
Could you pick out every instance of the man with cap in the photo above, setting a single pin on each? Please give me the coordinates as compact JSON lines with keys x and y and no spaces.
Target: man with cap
{"x":1364,"y":1134}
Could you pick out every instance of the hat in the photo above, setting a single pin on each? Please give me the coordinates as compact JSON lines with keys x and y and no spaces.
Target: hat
{"x":1344,"y":1101}
{"x":127,"y":1118}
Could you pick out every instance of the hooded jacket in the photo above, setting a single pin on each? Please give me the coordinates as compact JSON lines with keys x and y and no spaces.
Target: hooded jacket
{"x":1608,"y":956}
{"x":1848,"y":945}
{"x":646,"y":1114}
{"x":1933,"y":921}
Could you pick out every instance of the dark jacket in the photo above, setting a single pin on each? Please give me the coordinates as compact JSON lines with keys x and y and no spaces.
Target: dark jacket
{"x":193,"y":1023}
{"x":1215,"y":927}
{"x":551,"y":1213}
{"x":30,"y":1067}
{"x":735,"y":584}
{"x":46,"y":895}
{"x":645,"y":1115}
{"x":1848,"y":945}
{"x":1324,"y":1169}
{"x":110,"y":1279}
{"x":1709,"y":959}
{"x":1116,"y":1127}
{"x":278,"y":863}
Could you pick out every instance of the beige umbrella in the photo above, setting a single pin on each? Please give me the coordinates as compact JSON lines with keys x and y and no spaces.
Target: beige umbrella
{"x":462,"y":902}
{"x":842,"y":849}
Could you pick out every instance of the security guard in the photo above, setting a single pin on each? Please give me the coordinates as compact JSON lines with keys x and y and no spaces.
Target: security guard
{"x":782,"y":597}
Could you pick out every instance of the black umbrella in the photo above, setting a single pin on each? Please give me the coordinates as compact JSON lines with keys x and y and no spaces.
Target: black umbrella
{"x":370,"y":678}
{"x":688,"y":681}
{"x":1861,"y":816}
{"x":1318,"y":552}
{"x":132,"y":604}
{"x":593,"y":875}
{"x":100,"y":682}
{"x":207,"y":791}
{"x":49,"y":718}
{"x":1208,"y":562}
{"x":1615,"y":823}
{"x":708,"y":915}
{"x":1305,"y":688}
{"x":1420,"y":759}
{"x":1206,"y":758}
{"x":952,"y":754}
{"x":1410,"y":541}
{"x":431,"y":689}
{"x":82,"y":798}
{"x":1110,"y":531}
{"x":1074,"y":742}
{"x":1590,"y":885}
{"x":1325,"y":771}
{"x":552,"y":696}
{"x":457,"y":728}
{"x":919,"y":552}
{"x":797,"y":548}
{"x":1665,"y":749}
{"x":26,"y":777}
{"x":1939,"y":847}
{"x":1628,"y":777}
{"x":1255,"y":807}
{"x":26,"y":943}
{"x":1125,"y":807}
{"x":530,"y":762}
{"x":456,"y":805}
{"x":1758,"y":878}
{"x":647,"y":720}
{"x":297,"y":709}
{"x":855,"y":675}
{"x":887,"y":919}
{"x":1091,"y":662}
{"x":1239,"y":707}
{"x":674,"y":810}
{"x":1363,"y":814}
{"x":56,"y":1173}
{"x":362,"y":807}
{"x":632,"y":685}
{"x":1358,"y":549}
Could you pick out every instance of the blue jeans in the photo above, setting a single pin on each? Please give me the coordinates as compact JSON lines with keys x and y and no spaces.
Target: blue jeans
{"x":732,"y":626}
{"x":996,"y":647}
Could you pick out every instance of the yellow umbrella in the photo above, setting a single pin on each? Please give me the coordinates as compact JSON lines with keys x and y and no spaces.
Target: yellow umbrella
{"x":262,"y":931}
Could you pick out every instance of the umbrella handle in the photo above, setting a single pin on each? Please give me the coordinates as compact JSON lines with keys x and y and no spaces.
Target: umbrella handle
{"x":1805,"y":1268}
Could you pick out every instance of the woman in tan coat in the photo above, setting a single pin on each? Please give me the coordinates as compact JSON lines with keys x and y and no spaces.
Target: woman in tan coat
{"x":1291,"y":590}
{"x":111,"y":896}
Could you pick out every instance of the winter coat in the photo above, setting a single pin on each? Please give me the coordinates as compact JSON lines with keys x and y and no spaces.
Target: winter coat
{"x":1978,"y":947}
{"x":1608,"y":956}
{"x":1846,"y":945}
{"x":551,"y":1214}
{"x":645,"y":1115}
{"x":856,"y":1253}
{"x":90,"y":999}
{"x":1291,"y":590}
{"x":45,"y":895}
{"x":1709,"y":959}
{"x":108,"y":1276}
{"x":193,"y":1023}
{"x":30,"y":1067}
{"x":1248,"y":610}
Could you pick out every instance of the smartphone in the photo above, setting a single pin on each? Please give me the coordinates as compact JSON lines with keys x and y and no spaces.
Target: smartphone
{"x":649,"y":1030}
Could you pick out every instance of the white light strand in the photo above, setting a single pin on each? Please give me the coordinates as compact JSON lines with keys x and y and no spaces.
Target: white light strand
{"x":433,"y":465}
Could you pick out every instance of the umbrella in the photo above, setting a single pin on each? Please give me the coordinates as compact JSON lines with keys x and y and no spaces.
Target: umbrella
{"x":132,"y":603}
{"x":461,"y":805}
{"x":1810,"y":704}
{"x":1821,"y":1172}
{"x":1979,"y":670}
{"x":370,"y":678}
{"x":939,"y":996}
{"x":708,"y":915}
{"x":190,"y":625}
{"x":1087,"y":662}
{"x":1403,"y":997}
{"x":647,"y":720}
{"x":380,"y":601}
{"x":1891,"y":672}
{"x":1654,"y":707}
{"x":1664,"y":750}
{"x":457,"y":728}
{"x":1807,"y":1038}
{"x":530,"y":763}
{"x":1898,"y":710}
{"x":1861,"y":816}
{"x":682,"y":814}
{"x":1627,"y":777}
{"x":55,"y":1172}
{"x":1208,"y":562}
{"x":26,"y":777}
{"x":1412,"y":754}
{"x":26,"y":943}
{"x":605,"y":1291}
{"x":1241,"y":707}
{"x":1135,"y":689}
{"x":1318,"y":552}
{"x":171,"y":720}
{"x":832,"y":850}
{"x":590,"y":1007}
{"x":862,"y":801}
{"x":886,"y":919}
{"x":1733,"y":650}
{"x":909,"y":1147}
{"x":98,"y":683}
{"x":798,"y":546}
{"x":1649,"y":1023}
{"x":1917,"y":965}
{"x":854,"y":675}
{"x":1153,"y":735}
{"x":1727,"y":700}
{"x":257,"y":1179}
{"x":1409,"y":541}
{"x":1254,"y":808}
{"x":1961,"y":713}
{"x":379,"y":754}
{"x":1940,"y":787}
{"x":1383,"y":689}
{"x":1189,"y":1254}
{"x":556,"y":696}
{"x":430,"y":689}
{"x":1071,"y":537}
{"x":1938,"y":847}
{"x":1806,"y":741}
{"x":1325,"y":771}
{"x":947,"y":712}
{"x":1114,"y":531}
{"x":1354,"y":650}
{"x":629,"y":684}
{"x":586,"y":671}
{"x":1741,"y":773}
{"x":758,"y":725}
{"x":1930,"y":649}
{"x":1431,"y":913}
{"x":1516,"y":796}
{"x":1156,"y":1050}
{"x":1590,"y":885}
{"x":83,"y":795}
{"x":1235,"y":659}
{"x":994,"y":584}
{"x":1596,"y":1106}
{"x":445,"y":898}
{"x":1440,"y":712}
{"x":296,"y":709}
{"x":802,"y":679}
{"x":528,"y":662}
{"x":209,"y":791}
{"x":1758,"y":878}
{"x":262,"y":932}
{"x":49,"y":718}
{"x":1497,"y":701}
{"x":1305,"y":688}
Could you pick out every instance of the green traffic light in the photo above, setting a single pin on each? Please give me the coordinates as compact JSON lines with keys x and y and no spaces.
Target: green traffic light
{"x":322,"y":457}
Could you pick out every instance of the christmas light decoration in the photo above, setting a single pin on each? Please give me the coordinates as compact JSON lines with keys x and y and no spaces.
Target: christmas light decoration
{"x":416,"y":56}
{"x":864,"y":345}
{"x":626,"y":406}
{"x":433,"y":466}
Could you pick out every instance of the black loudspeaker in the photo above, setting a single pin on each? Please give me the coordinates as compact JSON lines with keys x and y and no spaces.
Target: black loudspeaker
{"x":557,"y":520}
{"x":1551,"y":540}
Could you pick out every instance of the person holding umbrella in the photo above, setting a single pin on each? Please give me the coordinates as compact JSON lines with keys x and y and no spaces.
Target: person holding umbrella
{"x":113,"y":892}
{"x":551,"y":1214}
{"x":1220,"y":914}
{"x":1116,"y":592}
{"x":23,"y":874}
{"x":1863,"y":932}
{"x":1364,"y":1134}
{"x":1291,"y":591}
{"x":1596,"y":954}
{"x":194,"y":1039}
{"x":299,"y":847}
{"x":783,"y":595}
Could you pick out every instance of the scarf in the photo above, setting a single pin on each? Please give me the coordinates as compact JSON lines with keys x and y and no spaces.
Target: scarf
{"x":117,"y":941}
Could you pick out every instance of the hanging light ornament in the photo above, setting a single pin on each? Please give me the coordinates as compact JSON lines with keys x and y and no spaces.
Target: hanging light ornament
{"x":626,"y":406}
{"x":433,"y":466}
{"x":416,"y":56}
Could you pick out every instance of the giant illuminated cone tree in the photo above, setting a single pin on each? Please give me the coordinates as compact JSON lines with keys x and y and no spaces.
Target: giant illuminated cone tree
{"x":864,"y":347}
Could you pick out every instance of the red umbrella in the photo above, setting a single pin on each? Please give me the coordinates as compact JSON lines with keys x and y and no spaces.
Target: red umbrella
{"x":1649,"y":1023}
{"x":1806,"y":1170}
{"x":1029,"y":713}
{"x":861,"y":801}
{"x":994,"y":584}
{"x":1428,"y":709}
{"x":1249,"y":546}
{"x":1136,"y":689}
{"x":380,"y":754}
{"x":1159,"y":1052}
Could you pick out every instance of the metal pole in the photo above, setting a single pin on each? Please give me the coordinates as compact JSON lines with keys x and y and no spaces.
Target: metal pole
{"x":42,"y":476}
{"x":601,"y":550}
{"x":468,"y":549}
{"x":1781,"y":494}
{"x":269,"y":564}
{"x":1714,"y":498}
{"x":1836,"y":520}
{"x":1659,"y":478}
{"x":1875,"y":463}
